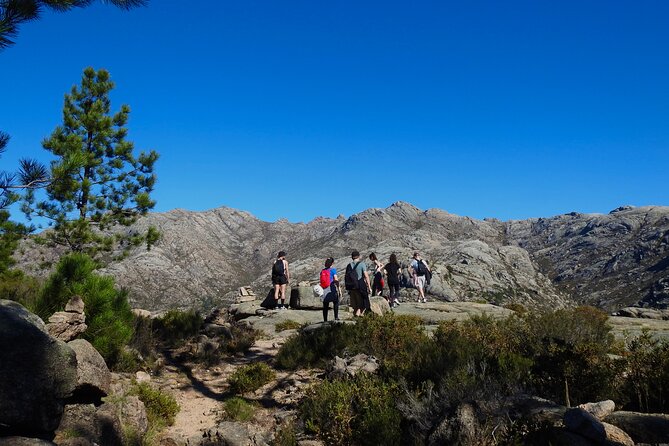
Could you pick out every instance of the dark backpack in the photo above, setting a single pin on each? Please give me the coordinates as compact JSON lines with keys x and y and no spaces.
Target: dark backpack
{"x":421,"y":268}
{"x":277,"y":268}
{"x":351,"y":281}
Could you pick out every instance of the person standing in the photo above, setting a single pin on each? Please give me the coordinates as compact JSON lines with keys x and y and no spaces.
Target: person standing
{"x":330,"y":284}
{"x":393,"y":272}
{"x":377,"y":283}
{"x":357,"y":284}
{"x":280,"y":279}
{"x":419,"y":271}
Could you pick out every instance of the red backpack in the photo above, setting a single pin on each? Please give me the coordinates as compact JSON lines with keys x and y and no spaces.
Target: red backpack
{"x":325,"y":278}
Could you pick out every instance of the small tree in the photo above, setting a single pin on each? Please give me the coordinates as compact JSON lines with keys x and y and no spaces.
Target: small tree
{"x":96,"y":180}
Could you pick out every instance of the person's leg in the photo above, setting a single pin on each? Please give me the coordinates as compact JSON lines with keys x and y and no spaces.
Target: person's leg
{"x":325,"y":310}
{"x":335,"y":307}
{"x":283,"y":295}
{"x":277,"y":290}
{"x":356,"y":302}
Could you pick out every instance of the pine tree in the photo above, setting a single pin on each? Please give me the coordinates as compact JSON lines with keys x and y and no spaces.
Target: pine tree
{"x":96,"y":180}
{"x":15,"y":12}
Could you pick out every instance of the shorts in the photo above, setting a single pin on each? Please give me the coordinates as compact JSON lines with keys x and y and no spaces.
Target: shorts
{"x":279,"y":280}
{"x":419,"y":282}
{"x":356,"y":300}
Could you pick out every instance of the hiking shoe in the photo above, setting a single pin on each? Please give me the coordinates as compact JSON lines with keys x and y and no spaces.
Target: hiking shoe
{"x":424,"y":300}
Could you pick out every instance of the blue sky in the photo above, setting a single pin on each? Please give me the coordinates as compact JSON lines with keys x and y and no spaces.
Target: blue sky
{"x":301,"y":109}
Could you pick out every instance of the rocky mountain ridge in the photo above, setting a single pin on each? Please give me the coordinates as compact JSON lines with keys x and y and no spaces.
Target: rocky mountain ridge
{"x":611,"y":261}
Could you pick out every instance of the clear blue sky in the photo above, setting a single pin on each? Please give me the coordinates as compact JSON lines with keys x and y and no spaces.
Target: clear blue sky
{"x":299,"y":109}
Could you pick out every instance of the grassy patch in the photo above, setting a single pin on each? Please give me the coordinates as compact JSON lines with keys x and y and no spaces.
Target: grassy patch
{"x":250,"y":378}
{"x":287,"y":325}
{"x":161,"y":407}
{"x":238,"y":409}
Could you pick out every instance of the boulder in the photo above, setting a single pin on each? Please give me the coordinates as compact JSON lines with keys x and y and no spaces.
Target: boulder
{"x":302,"y":297}
{"x":24,"y":441}
{"x":379,"y":305}
{"x":642,"y":427}
{"x":93,"y":375}
{"x":616,"y":436}
{"x":67,"y":325}
{"x":92,"y":425}
{"x":232,"y":433}
{"x":37,"y":374}
{"x":133,"y":414}
{"x":599,"y":410}
{"x":585,"y":424}
{"x":349,"y":367}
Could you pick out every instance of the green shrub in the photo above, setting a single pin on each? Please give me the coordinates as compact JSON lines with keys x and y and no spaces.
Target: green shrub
{"x":360,"y":411}
{"x":176,"y":326}
{"x":238,"y":409}
{"x":644,"y":382}
{"x":161,"y":407}
{"x":392,"y":339}
{"x":287,"y":325}
{"x":311,"y":349}
{"x":250,"y":378}
{"x":19,"y":287}
{"x":570,"y":349}
{"x":285,"y":435}
{"x":243,"y":338}
{"x":108,"y":314}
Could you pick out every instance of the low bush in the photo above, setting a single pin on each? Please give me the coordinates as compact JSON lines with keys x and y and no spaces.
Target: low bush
{"x":238,"y":409}
{"x":644,"y":386}
{"x":250,"y":378}
{"x":360,"y":411}
{"x":311,"y":349}
{"x":287,"y":325}
{"x":243,"y":338}
{"x":161,"y":407}
{"x":286,"y":435}
{"x":176,"y":326}
{"x":19,"y":287}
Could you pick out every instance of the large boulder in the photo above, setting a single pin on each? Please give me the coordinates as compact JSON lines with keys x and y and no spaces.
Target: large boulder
{"x":87,"y":424}
{"x":642,"y":427}
{"x":93,"y":375}
{"x":581,"y":422}
{"x":599,"y":410}
{"x":303,"y":297}
{"x":37,"y":374}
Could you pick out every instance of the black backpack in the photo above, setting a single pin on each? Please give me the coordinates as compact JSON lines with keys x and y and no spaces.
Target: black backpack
{"x":277,"y":268}
{"x":421,"y":268}
{"x":351,"y":281}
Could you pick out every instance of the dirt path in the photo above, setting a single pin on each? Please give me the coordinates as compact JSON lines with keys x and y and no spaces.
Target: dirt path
{"x":200,"y":391}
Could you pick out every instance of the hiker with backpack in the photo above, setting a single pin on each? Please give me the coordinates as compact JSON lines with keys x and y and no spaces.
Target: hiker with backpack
{"x":330,"y":284}
{"x":280,"y":278}
{"x":393,"y":272}
{"x":357,"y":284}
{"x":421,"y":275}
{"x":377,"y":283}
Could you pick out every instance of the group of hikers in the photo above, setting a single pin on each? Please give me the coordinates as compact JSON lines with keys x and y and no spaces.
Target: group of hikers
{"x":357,"y":282}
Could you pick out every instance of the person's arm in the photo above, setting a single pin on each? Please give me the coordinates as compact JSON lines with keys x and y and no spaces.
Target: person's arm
{"x":285,"y":265}
{"x":366,"y":277}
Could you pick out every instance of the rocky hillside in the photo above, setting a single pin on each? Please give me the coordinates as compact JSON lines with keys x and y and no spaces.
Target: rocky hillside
{"x":611,"y":261}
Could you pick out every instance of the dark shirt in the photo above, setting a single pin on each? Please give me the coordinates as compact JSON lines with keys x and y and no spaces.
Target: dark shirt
{"x":392,"y":269}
